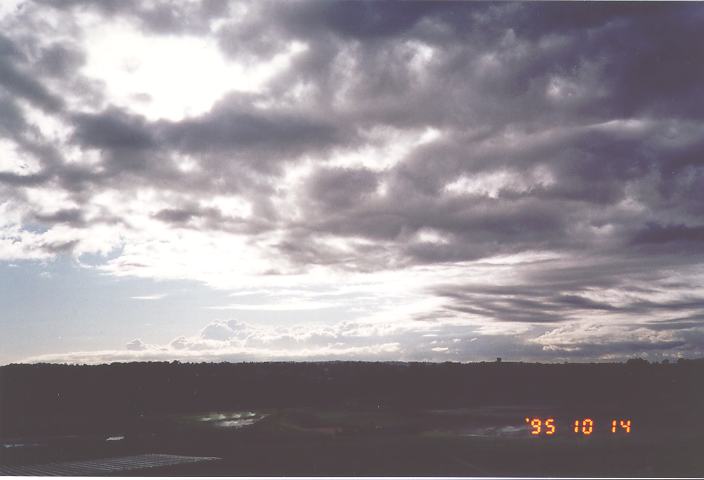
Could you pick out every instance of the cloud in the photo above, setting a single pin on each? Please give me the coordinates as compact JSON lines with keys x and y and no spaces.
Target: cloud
{"x":68,"y":215}
{"x":273,"y":307}
{"x":157,"y":296}
{"x":15,"y":78}
{"x":136,"y":345}
{"x":684,"y":235}
{"x":236,"y":341}
{"x":392,"y":335}
{"x":396,"y":149}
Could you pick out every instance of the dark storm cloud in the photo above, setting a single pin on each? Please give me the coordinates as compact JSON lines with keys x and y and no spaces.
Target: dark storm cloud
{"x":682,"y":323}
{"x":72,"y":216}
{"x":357,"y":20}
{"x":568,"y":128}
{"x":162,"y":17}
{"x":113,"y":130}
{"x":233,"y":128}
{"x":182,"y":216}
{"x":11,"y":119}
{"x":38,"y":72}
{"x":604,"y":56}
{"x":17,"y":180}
{"x":544,"y":307}
{"x":667,"y":234}
{"x":601,"y":163}
{"x":579,"y":302}
{"x":341,"y":188}
{"x":18,"y":81}
{"x":240,"y":148}
{"x":486,"y":80}
{"x":176,"y":215}
{"x":58,"y":59}
{"x":453,"y":95}
{"x":192,"y":215}
{"x":566,"y":291}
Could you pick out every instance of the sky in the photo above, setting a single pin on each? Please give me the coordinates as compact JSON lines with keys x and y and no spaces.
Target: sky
{"x":314,"y":180}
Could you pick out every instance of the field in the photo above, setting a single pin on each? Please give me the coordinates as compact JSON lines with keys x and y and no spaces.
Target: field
{"x":375,"y":438}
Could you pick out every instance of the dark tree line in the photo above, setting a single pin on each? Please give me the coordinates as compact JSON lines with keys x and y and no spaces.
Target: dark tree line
{"x":36,"y":396}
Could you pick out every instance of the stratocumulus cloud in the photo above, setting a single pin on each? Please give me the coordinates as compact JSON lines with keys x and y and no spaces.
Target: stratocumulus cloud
{"x":515,"y":179}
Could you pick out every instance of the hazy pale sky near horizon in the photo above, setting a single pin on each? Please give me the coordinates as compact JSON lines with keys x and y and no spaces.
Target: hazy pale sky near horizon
{"x":212,"y":180}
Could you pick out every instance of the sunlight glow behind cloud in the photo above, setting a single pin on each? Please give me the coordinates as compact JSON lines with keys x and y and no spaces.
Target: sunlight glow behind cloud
{"x":166,"y":77}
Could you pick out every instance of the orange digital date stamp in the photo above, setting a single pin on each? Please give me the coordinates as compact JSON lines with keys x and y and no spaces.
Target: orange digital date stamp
{"x":584,"y":426}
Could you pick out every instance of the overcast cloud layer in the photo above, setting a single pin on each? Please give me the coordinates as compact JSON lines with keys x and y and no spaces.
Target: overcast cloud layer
{"x":462,"y":180}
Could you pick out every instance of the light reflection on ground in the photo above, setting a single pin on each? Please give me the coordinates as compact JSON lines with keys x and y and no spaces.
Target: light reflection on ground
{"x":232,"y":419}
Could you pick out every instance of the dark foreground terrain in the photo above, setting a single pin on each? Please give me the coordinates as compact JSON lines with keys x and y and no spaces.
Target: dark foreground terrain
{"x":354,"y":418}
